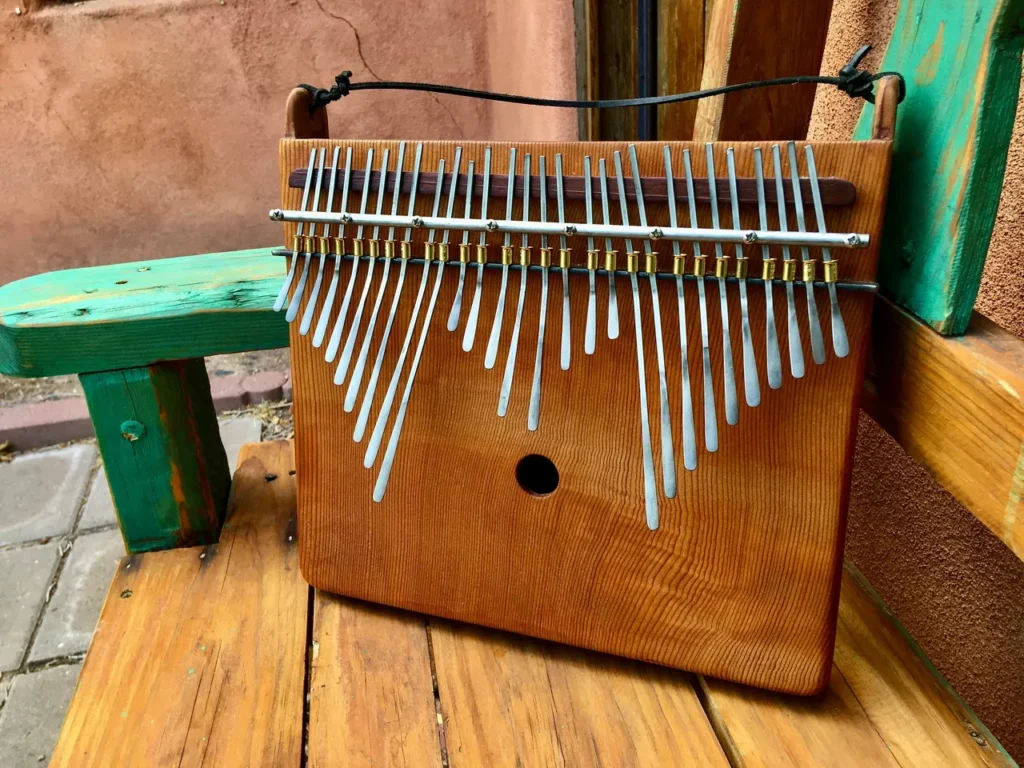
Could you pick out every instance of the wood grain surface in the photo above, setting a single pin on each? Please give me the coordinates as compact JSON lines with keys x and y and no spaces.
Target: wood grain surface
{"x":741,"y":580}
{"x":199,"y":655}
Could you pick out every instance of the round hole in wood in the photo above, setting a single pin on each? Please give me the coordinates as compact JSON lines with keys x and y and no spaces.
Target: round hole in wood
{"x":537,"y":475}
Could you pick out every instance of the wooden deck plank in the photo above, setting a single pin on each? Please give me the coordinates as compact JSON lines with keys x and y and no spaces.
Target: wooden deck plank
{"x":199,"y":655}
{"x":956,"y":405}
{"x":371,"y":698}
{"x":884,"y":706}
{"x":507,"y":700}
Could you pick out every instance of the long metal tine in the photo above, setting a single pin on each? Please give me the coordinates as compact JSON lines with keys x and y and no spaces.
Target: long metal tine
{"x":491,"y":355}
{"x":796,"y":350}
{"x":590,"y":339}
{"x":563,"y":264}
{"x":751,"y":385}
{"x":840,"y":341}
{"x":456,"y":310}
{"x":689,"y":433}
{"x":325,"y":314}
{"x":524,"y":262}
{"x":533,"y":417}
{"x":710,"y":417}
{"x":732,"y":408}
{"x":774,"y":360}
{"x":282,"y":295}
{"x":668,"y":458}
{"x":307,"y":316}
{"x":609,"y":256}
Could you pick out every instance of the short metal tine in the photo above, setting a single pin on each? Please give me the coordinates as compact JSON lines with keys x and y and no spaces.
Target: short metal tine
{"x":710,"y":417}
{"x":774,"y":360}
{"x":491,"y":355}
{"x":371,"y":386}
{"x":751,"y":385}
{"x":524,"y":262}
{"x":796,"y":350}
{"x":533,"y":417}
{"x":689,"y":432}
{"x":282,"y":295}
{"x":814,"y":324}
{"x":732,"y":408}
{"x":840,"y":341}
{"x":469,"y":335}
{"x":300,"y":289}
{"x":609,"y":256}
{"x":456,"y":310}
{"x":307,"y":316}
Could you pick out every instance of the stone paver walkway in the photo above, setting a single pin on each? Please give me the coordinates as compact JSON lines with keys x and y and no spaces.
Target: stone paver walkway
{"x":59,"y":544}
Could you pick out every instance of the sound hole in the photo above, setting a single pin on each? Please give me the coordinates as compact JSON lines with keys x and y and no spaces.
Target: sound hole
{"x":537,"y":475}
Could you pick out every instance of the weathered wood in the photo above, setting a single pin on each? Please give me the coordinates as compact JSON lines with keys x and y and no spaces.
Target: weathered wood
{"x":131,"y":315}
{"x":371,"y":699}
{"x":957,"y":406}
{"x":759,"y":40}
{"x":617,"y":68}
{"x":199,"y":655}
{"x":680,"y":64}
{"x":157,"y":432}
{"x":962,"y":61}
{"x":579,"y":566}
{"x":885,"y":706}
{"x":511,"y":701}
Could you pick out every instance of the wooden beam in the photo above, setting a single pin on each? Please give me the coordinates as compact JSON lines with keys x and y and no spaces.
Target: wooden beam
{"x":680,"y":64}
{"x":616,"y":78}
{"x":166,"y":466}
{"x":757,"y":40}
{"x":962,"y":61}
{"x":956,"y":405}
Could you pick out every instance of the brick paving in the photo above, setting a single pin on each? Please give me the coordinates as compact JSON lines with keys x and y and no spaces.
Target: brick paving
{"x":59,"y":544}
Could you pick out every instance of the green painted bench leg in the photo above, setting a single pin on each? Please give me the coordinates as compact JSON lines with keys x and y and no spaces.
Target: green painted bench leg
{"x":165,"y":463}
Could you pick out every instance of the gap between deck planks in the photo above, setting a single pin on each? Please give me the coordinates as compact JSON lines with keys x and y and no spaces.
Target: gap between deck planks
{"x":204,"y":655}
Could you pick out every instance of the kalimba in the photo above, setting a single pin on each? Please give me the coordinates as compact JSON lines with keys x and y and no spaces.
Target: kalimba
{"x":603,"y":394}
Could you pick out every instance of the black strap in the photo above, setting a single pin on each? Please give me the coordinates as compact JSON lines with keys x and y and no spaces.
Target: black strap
{"x":852,"y":81}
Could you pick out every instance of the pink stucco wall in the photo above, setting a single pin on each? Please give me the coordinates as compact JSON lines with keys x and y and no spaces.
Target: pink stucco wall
{"x":148,"y":129}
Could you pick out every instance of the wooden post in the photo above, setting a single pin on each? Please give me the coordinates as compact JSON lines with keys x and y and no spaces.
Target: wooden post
{"x":962,"y":62}
{"x":759,"y":40}
{"x":165,"y":463}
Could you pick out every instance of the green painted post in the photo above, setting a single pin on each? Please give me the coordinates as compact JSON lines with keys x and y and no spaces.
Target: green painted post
{"x":165,"y":463}
{"x":962,"y":63}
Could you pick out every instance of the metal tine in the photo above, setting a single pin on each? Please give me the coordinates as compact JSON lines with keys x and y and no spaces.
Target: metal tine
{"x":307,"y":316}
{"x":469,"y":335}
{"x":357,"y":317}
{"x":609,"y":256}
{"x":817,"y":341}
{"x":650,"y":486}
{"x":689,"y":432}
{"x":293,"y":305}
{"x":378,"y":363}
{"x":796,"y":349}
{"x":332,"y":291}
{"x":840,"y":341}
{"x":710,"y":417}
{"x":456,"y":310}
{"x":563,"y":264}
{"x":381,"y":486}
{"x":339,"y":324}
{"x":533,"y":417}
{"x":491,"y":355}
{"x":732,"y":408}
{"x":373,"y":446}
{"x":352,"y":392}
{"x":524,"y":263}
{"x":668,"y":457}
{"x":774,"y":360}
{"x":282,"y":295}
{"x":590,"y":339}
{"x":751,"y":385}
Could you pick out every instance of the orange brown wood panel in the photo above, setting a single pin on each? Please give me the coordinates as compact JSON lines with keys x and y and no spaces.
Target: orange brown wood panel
{"x":741,"y":580}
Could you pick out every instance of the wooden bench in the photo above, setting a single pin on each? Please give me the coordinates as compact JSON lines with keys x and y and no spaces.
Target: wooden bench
{"x":222,"y":655}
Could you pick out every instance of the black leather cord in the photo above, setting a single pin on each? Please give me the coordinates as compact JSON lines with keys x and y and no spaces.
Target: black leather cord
{"x":852,"y":81}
